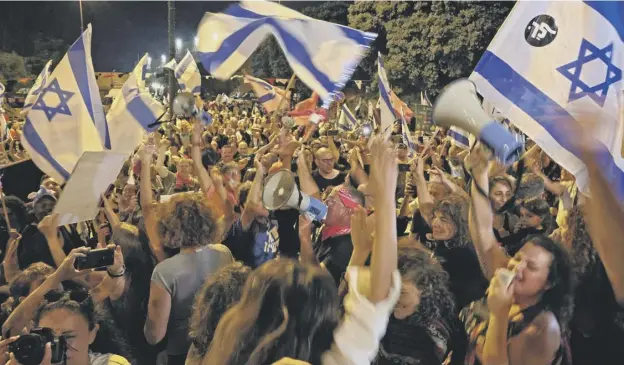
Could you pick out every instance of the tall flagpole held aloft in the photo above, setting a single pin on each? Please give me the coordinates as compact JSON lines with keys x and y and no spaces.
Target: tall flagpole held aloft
{"x":81,"y":20}
{"x":172,"y":53}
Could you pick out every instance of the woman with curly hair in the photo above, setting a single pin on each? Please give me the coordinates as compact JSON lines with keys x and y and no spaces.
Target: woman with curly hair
{"x":189,"y":223}
{"x":218,"y":294}
{"x":529,"y":302}
{"x":597,"y":327}
{"x":421,"y":326}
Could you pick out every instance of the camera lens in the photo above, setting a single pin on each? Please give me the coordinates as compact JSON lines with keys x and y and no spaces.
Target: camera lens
{"x":28,"y":349}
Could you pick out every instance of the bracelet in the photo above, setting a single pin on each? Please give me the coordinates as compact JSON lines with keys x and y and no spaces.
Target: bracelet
{"x":117,"y":275}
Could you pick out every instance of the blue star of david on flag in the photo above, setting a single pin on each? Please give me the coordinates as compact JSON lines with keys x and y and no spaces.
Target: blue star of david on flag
{"x":51,"y":111}
{"x":572,"y":71}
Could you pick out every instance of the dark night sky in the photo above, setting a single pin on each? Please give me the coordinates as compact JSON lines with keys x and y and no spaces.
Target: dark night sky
{"x":122,"y":30}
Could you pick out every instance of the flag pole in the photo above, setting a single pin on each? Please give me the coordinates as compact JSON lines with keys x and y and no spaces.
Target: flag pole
{"x":81,"y":21}
{"x":291,"y":83}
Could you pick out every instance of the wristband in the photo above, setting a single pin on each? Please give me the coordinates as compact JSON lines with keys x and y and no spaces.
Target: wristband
{"x":117,"y":275}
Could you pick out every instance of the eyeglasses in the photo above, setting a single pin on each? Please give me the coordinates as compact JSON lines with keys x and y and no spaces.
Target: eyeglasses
{"x":77,"y":295}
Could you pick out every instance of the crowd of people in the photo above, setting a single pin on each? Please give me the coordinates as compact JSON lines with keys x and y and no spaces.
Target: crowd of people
{"x":433,"y":256}
{"x":11,"y":148}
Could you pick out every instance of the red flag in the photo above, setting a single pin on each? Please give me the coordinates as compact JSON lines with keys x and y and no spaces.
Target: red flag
{"x":302,"y":111}
{"x":398,"y":104}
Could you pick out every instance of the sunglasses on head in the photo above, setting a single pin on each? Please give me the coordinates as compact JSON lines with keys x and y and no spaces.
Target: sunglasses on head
{"x":76,"y":295}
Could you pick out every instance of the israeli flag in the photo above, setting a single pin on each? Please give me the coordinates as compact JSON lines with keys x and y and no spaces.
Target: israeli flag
{"x":554,"y":63}
{"x":40,"y":82}
{"x":322,"y":54}
{"x":385,"y":104}
{"x":461,"y":138}
{"x":347,"y":121}
{"x":171,"y":64}
{"x":265,"y":92}
{"x":133,"y":112}
{"x":2,"y":90}
{"x":67,"y":118}
{"x":187,"y":74}
{"x":405,"y":132}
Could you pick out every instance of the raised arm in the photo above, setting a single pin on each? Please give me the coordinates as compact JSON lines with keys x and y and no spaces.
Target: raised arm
{"x":481,"y":218}
{"x":384,"y":172}
{"x":205,"y":181}
{"x":306,"y":182}
{"x":48,"y":227}
{"x":604,"y":216}
{"x":26,"y":310}
{"x":254,"y":198}
{"x":425,"y":200}
{"x":149,"y":206}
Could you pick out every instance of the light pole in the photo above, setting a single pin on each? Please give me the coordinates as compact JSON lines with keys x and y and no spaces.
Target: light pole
{"x":172,"y":53}
{"x":163,"y":59}
{"x":149,"y":62}
{"x":178,"y":45}
{"x":81,"y":20}
{"x":196,"y":42}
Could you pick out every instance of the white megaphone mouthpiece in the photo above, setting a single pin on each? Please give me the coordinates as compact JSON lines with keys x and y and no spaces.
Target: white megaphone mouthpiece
{"x":458,"y":105}
{"x":281,"y":192}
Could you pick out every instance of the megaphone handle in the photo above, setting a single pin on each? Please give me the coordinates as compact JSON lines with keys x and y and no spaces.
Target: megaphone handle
{"x":157,"y":122}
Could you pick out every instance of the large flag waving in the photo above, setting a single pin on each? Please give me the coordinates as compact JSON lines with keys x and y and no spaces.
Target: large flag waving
{"x":386,"y":109}
{"x":67,"y":117}
{"x":39,"y":84}
{"x":133,"y":111}
{"x":187,"y":74}
{"x":268,"y":95}
{"x":550,"y":64}
{"x":322,"y":54}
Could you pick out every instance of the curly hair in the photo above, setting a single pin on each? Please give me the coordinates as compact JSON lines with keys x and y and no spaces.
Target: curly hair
{"x":559,"y":298}
{"x":455,"y":207}
{"x":417,"y":266}
{"x":219,"y":293}
{"x":21,"y":286}
{"x":288,"y":309}
{"x":187,"y":220}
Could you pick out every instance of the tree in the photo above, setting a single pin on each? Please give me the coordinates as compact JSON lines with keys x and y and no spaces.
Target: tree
{"x":45,"y":48}
{"x":12,"y":67}
{"x":427,"y":44}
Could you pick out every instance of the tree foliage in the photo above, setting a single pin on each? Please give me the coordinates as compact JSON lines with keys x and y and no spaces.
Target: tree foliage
{"x":45,"y":48}
{"x":426,"y":45}
{"x":12,"y":67}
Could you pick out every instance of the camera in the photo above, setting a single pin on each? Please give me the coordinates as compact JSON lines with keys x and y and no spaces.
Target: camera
{"x":29,"y":349}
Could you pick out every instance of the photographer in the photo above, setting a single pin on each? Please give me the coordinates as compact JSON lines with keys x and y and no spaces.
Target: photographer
{"x":66,"y":320}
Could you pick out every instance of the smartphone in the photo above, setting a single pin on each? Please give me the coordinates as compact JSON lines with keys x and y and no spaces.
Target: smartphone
{"x":403,"y":167}
{"x":107,"y":194}
{"x":95,"y":259}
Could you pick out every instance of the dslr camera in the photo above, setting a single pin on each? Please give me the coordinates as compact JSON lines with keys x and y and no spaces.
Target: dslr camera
{"x":29,"y":349}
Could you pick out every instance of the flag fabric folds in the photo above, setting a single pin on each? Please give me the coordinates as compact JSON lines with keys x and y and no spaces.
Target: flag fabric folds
{"x":554,"y":63}
{"x":400,"y":107}
{"x":67,"y":118}
{"x":131,"y":114}
{"x":2,"y":90}
{"x":39,"y":84}
{"x":171,"y":64}
{"x":323,"y":55}
{"x":268,"y":95}
{"x":187,"y":74}
{"x":347,"y":121}
{"x":386,"y":109}
{"x":303,"y":111}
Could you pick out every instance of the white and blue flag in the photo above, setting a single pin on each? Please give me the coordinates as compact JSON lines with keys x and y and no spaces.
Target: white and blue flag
{"x":39,"y":84}
{"x":405,"y":132}
{"x":552,"y":63}
{"x":187,"y":74}
{"x":133,"y":112}
{"x":460,"y":138}
{"x":347,"y":121}
{"x":67,"y":118}
{"x":386,"y":111}
{"x":2,"y":90}
{"x":323,"y":55}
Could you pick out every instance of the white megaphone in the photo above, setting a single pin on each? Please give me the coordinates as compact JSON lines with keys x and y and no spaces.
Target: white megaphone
{"x":184,"y":105}
{"x":281,"y":192}
{"x":458,"y":105}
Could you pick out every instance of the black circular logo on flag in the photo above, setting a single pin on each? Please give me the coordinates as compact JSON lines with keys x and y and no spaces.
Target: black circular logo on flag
{"x":541,"y":31}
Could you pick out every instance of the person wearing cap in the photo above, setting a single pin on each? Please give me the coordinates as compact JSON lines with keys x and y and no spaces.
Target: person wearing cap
{"x":34,"y":245}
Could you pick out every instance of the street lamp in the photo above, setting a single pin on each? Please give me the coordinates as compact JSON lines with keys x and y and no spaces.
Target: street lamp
{"x":163,"y":59}
{"x":178,"y":45}
{"x":149,"y":62}
{"x":196,"y":42}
